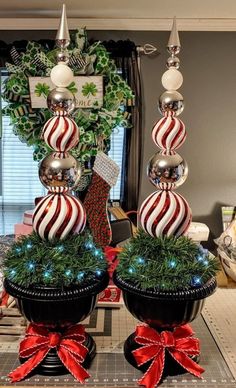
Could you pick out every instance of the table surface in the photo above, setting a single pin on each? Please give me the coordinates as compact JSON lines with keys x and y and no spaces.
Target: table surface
{"x":110,"y":369}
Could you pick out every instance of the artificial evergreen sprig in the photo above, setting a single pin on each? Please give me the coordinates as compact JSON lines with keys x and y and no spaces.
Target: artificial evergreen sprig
{"x":165,"y":263}
{"x":75,"y":261}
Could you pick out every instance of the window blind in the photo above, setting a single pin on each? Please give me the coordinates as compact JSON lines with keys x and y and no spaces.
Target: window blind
{"x":19,"y":181}
{"x":116,"y":153}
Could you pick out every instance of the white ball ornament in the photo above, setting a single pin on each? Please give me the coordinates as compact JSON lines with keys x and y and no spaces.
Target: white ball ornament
{"x":61,"y":75}
{"x":172,"y":79}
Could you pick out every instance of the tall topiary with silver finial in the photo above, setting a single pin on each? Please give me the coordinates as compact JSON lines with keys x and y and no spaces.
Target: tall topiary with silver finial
{"x":166,"y":212}
{"x":56,"y":283}
{"x":165,"y":276}
{"x":59,"y":213}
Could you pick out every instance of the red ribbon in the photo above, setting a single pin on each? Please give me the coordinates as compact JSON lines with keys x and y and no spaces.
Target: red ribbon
{"x":39,"y":340}
{"x":178,"y":343}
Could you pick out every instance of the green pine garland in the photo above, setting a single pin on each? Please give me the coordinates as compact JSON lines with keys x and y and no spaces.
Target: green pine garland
{"x":75,"y":261}
{"x":165,"y":263}
{"x":96,"y":124}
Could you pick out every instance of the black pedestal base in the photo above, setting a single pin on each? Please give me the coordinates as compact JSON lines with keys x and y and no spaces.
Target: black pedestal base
{"x":171,"y":368}
{"x":52,"y":365}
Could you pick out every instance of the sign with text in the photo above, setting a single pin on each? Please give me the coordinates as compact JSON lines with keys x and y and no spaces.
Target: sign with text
{"x":88,"y":91}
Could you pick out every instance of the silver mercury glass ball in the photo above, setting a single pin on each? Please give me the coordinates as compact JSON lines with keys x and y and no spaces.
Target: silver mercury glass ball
{"x":173,"y":62}
{"x":171,"y":101}
{"x":61,"y":100}
{"x":167,"y":171}
{"x":174,"y":50}
{"x":59,"y":172}
{"x":63,"y":56}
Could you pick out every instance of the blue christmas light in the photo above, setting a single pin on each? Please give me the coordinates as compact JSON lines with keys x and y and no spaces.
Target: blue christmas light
{"x":47,"y":274}
{"x":205,"y":262}
{"x":13,"y":272}
{"x":80,"y":275}
{"x":68,"y":272}
{"x":97,"y":252}
{"x":89,"y":245}
{"x":18,"y":250}
{"x":140,"y":260}
{"x":98,"y":272}
{"x":29,"y":245}
{"x":131,"y":270}
{"x":60,"y":248}
{"x":196,"y":281}
{"x":31,"y":266}
{"x":200,"y":258}
{"x":172,"y":263}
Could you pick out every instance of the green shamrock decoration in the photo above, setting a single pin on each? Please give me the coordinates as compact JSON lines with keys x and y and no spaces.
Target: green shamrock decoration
{"x":89,"y":89}
{"x":96,"y":122}
{"x":41,"y":90}
{"x":72,"y":87}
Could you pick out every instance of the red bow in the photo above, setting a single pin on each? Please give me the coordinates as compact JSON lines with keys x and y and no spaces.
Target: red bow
{"x":179,"y":344}
{"x":39,"y":340}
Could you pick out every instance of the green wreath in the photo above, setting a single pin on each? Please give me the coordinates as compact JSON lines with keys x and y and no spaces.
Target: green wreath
{"x":96,"y":124}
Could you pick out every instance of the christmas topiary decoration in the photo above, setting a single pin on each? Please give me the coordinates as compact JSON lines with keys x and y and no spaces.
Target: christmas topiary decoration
{"x":164,"y":275}
{"x":57,"y":272}
{"x":165,"y":263}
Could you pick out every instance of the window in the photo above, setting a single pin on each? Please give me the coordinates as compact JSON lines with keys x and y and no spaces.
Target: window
{"x":19,"y":182}
{"x":116,"y":153}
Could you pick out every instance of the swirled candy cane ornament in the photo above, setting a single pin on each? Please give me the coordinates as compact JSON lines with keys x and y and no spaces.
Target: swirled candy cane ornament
{"x":58,"y":215}
{"x":169,"y":133}
{"x":165,"y":213}
{"x":61,"y":133}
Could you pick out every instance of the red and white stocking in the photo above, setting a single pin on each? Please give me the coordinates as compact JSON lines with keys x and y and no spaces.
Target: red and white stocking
{"x":105,"y":174}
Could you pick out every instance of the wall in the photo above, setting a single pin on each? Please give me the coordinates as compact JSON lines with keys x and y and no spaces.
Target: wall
{"x":208,"y":63}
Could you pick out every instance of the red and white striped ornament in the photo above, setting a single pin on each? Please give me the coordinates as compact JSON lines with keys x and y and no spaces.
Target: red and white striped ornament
{"x":169,"y":133}
{"x":58,"y":215}
{"x":165,"y":213}
{"x":61,"y":133}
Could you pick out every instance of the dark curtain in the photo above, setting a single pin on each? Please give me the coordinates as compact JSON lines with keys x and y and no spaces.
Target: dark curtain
{"x":125,"y":55}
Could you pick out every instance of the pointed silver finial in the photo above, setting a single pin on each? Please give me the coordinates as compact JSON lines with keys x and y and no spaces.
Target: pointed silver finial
{"x":63,"y":36}
{"x":174,"y":45}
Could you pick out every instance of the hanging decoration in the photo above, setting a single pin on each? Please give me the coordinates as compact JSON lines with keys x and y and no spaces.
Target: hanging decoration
{"x":105,"y":175}
{"x":166,"y":213}
{"x":95,"y":123}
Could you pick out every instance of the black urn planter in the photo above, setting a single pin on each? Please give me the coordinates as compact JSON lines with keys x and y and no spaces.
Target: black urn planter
{"x":162,"y":311}
{"x":57,"y":309}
